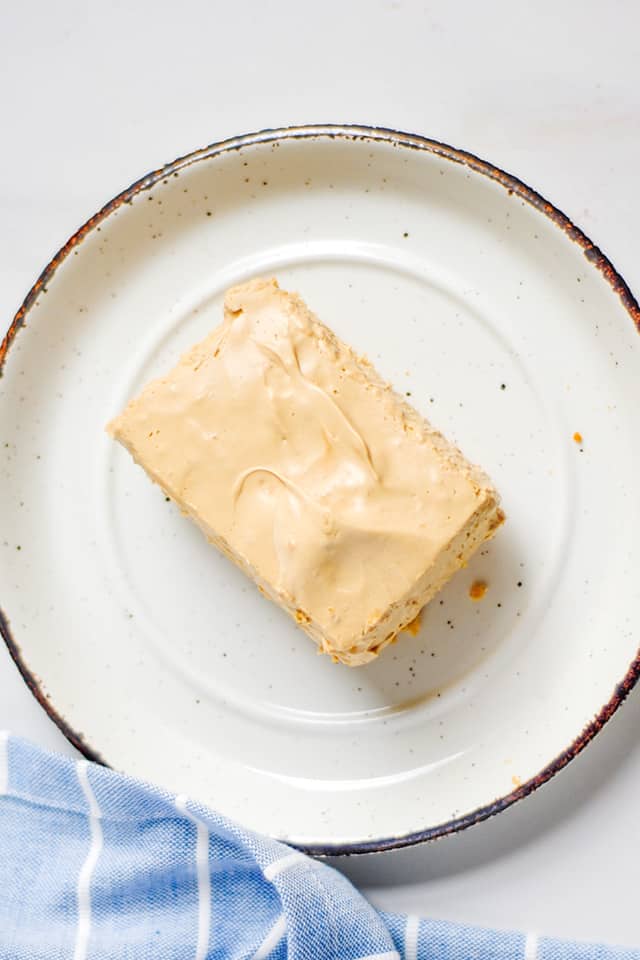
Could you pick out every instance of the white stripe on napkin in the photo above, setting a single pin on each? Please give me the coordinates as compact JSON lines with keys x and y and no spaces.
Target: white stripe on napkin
{"x":531,"y":947}
{"x":4,"y":762}
{"x":411,"y":931}
{"x":284,"y":863}
{"x":272,"y":939}
{"x":83,"y":929}
{"x":204,"y":878}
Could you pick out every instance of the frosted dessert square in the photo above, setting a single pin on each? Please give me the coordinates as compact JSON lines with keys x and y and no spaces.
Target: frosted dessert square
{"x":342,"y":503}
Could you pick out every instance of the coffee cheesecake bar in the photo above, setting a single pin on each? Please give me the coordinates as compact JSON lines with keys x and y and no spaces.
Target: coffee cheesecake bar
{"x":342,"y":503}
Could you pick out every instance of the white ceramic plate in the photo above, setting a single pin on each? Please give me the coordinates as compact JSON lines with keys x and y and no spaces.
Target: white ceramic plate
{"x":506,"y":327}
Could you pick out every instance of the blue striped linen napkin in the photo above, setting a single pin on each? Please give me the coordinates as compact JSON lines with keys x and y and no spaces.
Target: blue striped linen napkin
{"x":97,"y":865}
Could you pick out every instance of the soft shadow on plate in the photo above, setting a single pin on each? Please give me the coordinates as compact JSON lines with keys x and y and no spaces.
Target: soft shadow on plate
{"x":457,"y":635}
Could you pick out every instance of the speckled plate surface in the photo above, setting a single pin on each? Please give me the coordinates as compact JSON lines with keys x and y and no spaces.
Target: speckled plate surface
{"x":504,"y":324}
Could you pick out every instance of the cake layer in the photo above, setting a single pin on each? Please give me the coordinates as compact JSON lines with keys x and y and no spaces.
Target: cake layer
{"x":305,"y":468}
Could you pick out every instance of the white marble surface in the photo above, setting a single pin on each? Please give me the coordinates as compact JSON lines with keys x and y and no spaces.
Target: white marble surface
{"x":92,"y":96}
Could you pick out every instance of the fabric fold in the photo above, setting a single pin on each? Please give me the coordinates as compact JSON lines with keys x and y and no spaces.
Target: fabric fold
{"x":97,"y":865}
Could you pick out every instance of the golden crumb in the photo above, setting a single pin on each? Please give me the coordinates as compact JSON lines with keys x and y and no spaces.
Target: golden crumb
{"x":577,"y":437}
{"x":478,"y":589}
{"x":516,"y":781}
{"x":301,"y":616}
{"x":414,"y":627}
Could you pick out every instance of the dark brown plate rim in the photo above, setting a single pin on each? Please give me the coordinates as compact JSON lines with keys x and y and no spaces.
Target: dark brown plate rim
{"x":514,"y":186}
